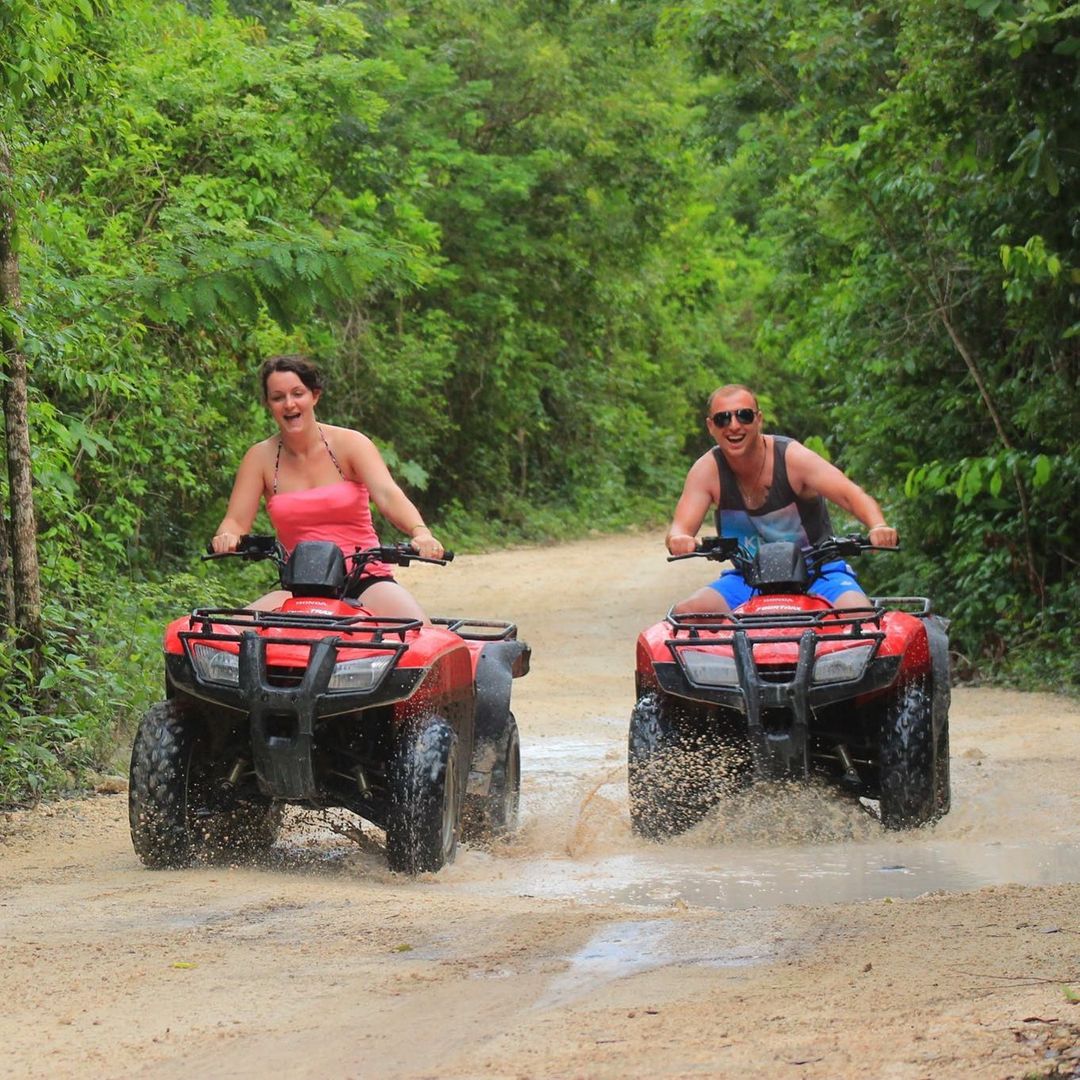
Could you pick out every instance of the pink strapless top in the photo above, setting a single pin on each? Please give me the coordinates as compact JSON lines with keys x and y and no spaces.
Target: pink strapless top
{"x":339,"y":512}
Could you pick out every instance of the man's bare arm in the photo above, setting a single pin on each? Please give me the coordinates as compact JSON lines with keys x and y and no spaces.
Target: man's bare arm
{"x":700,"y":491}
{"x":809,"y":472}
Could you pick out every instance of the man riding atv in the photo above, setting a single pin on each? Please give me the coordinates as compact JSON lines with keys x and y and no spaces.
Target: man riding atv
{"x":783,"y":669}
{"x":769,"y":487}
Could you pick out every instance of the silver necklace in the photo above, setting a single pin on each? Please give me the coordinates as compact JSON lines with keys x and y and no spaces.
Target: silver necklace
{"x":761,"y":469}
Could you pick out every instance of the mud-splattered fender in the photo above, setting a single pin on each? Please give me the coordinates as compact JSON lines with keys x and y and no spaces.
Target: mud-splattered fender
{"x":937,"y":637}
{"x":496,"y":667}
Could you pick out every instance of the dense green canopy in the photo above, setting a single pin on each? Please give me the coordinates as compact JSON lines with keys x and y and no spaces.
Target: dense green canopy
{"x":525,"y":239}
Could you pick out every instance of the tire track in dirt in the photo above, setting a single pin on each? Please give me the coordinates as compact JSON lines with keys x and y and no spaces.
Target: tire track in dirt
{"x":320,"y":962}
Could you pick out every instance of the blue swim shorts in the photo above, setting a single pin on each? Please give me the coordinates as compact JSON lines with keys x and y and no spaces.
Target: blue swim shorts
{"x":836,"y":578}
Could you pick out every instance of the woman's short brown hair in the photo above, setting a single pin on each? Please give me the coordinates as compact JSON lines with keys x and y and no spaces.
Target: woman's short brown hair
{"x":299,"y":365}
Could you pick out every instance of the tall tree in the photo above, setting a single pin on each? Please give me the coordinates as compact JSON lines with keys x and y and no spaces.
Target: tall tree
{"x":914,"y":169}
{"x":38,"y":54}
{"x":556,"y":354}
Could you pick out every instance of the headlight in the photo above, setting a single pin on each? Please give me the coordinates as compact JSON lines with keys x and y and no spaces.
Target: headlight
{"x":216,"y":665}
{"x":842,"y":665}
{"x":709,"y":669}
{"x":358,"y":674}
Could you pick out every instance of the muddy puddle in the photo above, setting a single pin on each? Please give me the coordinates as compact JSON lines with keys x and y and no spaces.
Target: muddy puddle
{"x":622,"y":949}
{"x":766,"y":848}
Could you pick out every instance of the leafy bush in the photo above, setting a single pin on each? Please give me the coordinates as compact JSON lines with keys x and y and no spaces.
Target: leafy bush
{"x":102,"y":668}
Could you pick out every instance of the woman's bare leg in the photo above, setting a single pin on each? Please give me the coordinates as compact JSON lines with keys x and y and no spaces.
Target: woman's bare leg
{"x":271,"y":601}
{"x":391,"y":599}
{"x":383,"y":598}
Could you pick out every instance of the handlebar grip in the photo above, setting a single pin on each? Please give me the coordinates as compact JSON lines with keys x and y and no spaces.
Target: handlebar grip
{"x":408,"y":551}
{"x":212,"y":554}
{"x":249,"y":546}
{"x":241,"y":544}
{"x":716,"y":548}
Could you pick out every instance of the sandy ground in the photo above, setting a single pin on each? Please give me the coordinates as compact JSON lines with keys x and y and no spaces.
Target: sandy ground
{"x":321,"y":963}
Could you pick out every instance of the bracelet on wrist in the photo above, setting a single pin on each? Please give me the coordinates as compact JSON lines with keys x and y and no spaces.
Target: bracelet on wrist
{"x":417,"y":528}
{"x":874,"y":527}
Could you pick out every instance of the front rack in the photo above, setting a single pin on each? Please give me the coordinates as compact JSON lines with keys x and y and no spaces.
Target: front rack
{"x":336,"y":632}
{"x":488,"y":629}
{"x":911,"y":605}
{"x":693,"y":624}
{"x":744,"y":632}
{"x":188,"y":638}
{"x":374,"y":627}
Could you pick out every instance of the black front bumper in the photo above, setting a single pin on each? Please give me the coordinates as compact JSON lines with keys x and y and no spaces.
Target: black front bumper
{"x":777,"y":751}
{"x":282,"y":718}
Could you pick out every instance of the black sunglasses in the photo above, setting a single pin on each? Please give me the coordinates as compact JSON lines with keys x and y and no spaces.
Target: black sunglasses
{"x":723,"y":418}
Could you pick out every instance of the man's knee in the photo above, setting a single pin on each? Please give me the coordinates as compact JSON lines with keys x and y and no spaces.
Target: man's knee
{"x":853,"y":598}
{"x":702,"y":602}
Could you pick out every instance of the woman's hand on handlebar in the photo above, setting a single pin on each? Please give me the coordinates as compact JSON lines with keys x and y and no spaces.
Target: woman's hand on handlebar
{"x":426,"y":546}
{"x":224,"y":542}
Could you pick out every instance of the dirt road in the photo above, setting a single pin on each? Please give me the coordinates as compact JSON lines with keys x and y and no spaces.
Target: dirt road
{"x":786,"y":938}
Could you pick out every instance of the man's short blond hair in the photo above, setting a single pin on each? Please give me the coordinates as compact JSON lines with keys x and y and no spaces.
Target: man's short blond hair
{"x":731,"y":388}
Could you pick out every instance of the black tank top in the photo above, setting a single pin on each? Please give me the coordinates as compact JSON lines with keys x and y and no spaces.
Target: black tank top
{"x":783,"y":515}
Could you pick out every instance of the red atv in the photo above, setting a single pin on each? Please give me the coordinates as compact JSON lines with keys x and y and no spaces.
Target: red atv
{"x":322,"y":704}
{"x":786,"y":687}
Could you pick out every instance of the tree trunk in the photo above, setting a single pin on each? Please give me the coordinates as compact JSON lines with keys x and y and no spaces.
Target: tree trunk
{"x":7,"y":590}
{"x":26,"y":579}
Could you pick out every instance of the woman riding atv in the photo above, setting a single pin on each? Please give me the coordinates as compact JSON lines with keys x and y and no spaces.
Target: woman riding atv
{"x":318,"y":482}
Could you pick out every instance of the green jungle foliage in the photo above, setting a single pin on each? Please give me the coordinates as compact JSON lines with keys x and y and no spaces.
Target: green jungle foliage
{"x":525,"y":239}
{"x":915,"y":169}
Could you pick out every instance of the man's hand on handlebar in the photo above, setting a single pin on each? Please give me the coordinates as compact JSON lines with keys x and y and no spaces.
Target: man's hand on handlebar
{"x":681,"y":543}
{"x":883,"y":536}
